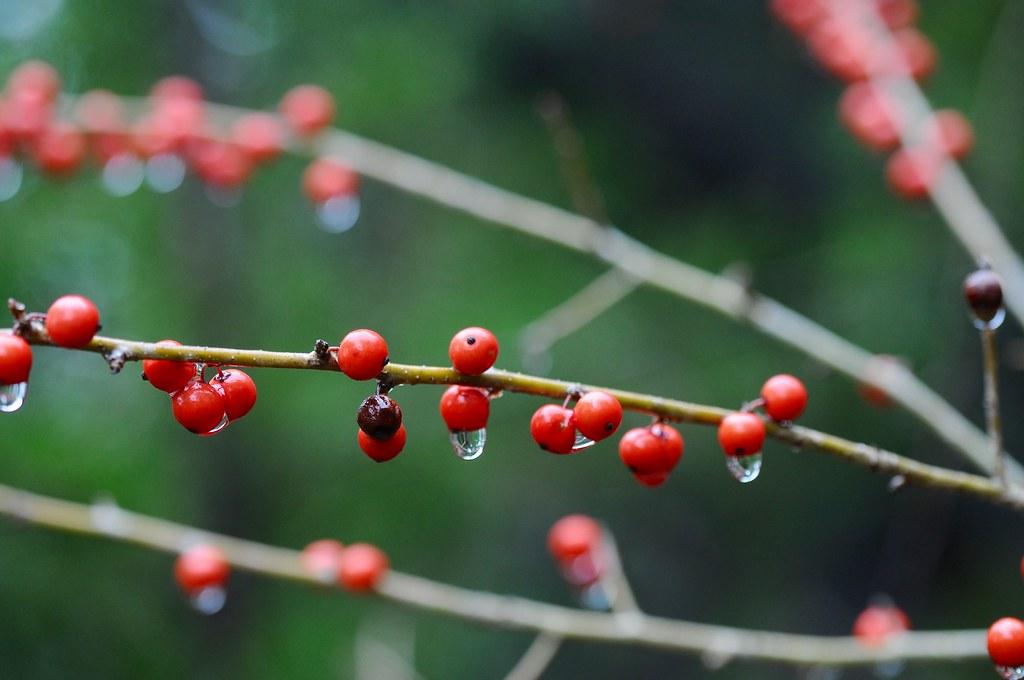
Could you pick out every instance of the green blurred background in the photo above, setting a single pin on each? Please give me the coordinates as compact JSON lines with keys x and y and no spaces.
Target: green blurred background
{"x":710,"y":135}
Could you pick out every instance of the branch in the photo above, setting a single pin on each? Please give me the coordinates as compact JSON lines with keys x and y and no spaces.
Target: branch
{"x":876,"y":459}
{"x":472,"y":196}
{"x":501,"y":611}
{"x":992,"y":419}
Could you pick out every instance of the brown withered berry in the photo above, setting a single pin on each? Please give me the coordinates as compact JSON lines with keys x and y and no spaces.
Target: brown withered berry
{"x":984,"y":294}
{"x":379,"y":416}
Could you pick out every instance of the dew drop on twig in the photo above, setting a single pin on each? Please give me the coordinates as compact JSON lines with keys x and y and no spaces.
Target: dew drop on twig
{"x":468,"y":444}
{"x":12,"y":397}
{"x":744,"y":469}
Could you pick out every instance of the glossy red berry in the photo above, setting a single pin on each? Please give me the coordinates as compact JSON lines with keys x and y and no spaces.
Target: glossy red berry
{"x":785,"y":397}
{"x":572,"y":536}
{"x":322,"y":558}
{"x":651,"y":453}
{"x":202,"y":566}
{"x":308,"y":109}
{"x":258,"y":135}
{"x":1006,"y":642}
{"x":198,"y":407}
{"x":877,"y":623}
{"x":166,"y":375}
{"x":473,"y":350}
{"x":911,"y":172}
{"x":15,"y":359}
{"x":362,"y":354}
{"x":59,"y":149}
{"x":652,"y":479}
{"x":870,"y":116}
{"x":741,"y":434}
{"x":553,"y":428}
{"x":361,"y":567}
{"x":379,"y":416}
{"x":72,"y":321}
{"x":671,"y":442}
{"x":465,"y":408}
{"x":325,"y":179}
{"x":598,"y":415}
{"x":238,"y":391}
{"x":951,"y":133}
{"x":382,"y":450}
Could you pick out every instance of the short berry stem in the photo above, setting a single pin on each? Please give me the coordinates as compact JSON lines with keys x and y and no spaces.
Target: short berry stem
{"x":993,"y":421}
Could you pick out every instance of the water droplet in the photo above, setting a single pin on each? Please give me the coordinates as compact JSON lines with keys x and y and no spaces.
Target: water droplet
{"x":993,"y":323}
{"x":889,"y":669}
{"x":123,"y":174}
{"x":468,"y":444}
{"x":582,"y":442}
{"x":10,"y":178}
{"x":224,"y":197}
{"x":208,"y":601}
{"x":897,"y":483}
{"x":338,"y":214}
{"x":220,"y":426}
{"x":12,"y":397}
{"x":1010,"y":672}
{"x":744,"y":468}
{"x":594,"y":597}
{"x":165,"y":172}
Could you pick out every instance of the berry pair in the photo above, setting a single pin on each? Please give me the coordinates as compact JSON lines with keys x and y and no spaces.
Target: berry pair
{"x":358,"y":567}
{"x":651,"y":453}
{"x":596,"y":416}
{"x":741,"y":435}
{"x":203,"y":408}
{"x":575,"y":541}
{"x":381,"y":432}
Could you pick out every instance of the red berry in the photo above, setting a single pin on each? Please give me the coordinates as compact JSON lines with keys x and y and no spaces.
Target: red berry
{"x":72,"y":320}
{"x":176,"y":87}
{"x":800,"y":16}
{"x":238,"y":390}
{"x":741,"y":434}
{"x":465,"y":408}
{"x":308,"y":109}
{"x":166,"y":375}
{"x":202,"y":566}
{"x":911,"y":172}
{"x":325,"y":179}
{"x":875,"y":624}
{"x":598,"y":415}
{"x":362,"y":354}
{"x":25,"y":117}
{"x":220,"y":164}
{"x":898,"y":13}
{"x":843,"y":47}
{"x":572,"y":536}
{"x":785,"y":397}
{"x":652,"y":479}
{"x":322,"y":558}
{"x":917,"y":54}
{"x":382,"y":450}
{"x":101,"y":116}
{"x":15,"y":359}
{"x":870,"y":116}
{"x":361,"y":567}
{"x":553,"y":429}
{"x":651,"y":453}
{"x":36,"y":79}
{"x":198,"y":407}
{"x":258,"y":135}
{"x":951,"y":133}
{"x":671,"y":442}
{"x":59,"y":149}
{"x":473,"y":350}
{"x":1006,"y":642}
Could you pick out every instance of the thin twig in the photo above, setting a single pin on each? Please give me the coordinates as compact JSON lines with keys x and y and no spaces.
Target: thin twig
{"x":613,"y":576}
{"x":537,"y":658}
{"x":464,"y":193}
{"x":993,"y":422}
{"x":501,"y":611}
{"x":876,"y":459}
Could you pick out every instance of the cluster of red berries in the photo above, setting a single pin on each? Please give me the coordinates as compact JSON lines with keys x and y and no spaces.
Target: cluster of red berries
{"x":201,"y":407}
{"x":363,"y":354}
{"x":576,"y":543}
{"x":845,"y":41}
{"x":741,"y":434}
{"x":175,"y":124}
{"x":358,"y":567}
{"x":71,"y":321}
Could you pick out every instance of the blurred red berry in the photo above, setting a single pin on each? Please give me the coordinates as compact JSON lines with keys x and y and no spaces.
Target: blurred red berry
{"x":897,"y":13}
{"x":553,"y":429}
{"x":202,"y":566}
{"x":951,"y":133}
{"x":322,"y":558}
{"x":572,"y":536}
{"x":877,"y":623}
{"x":72,"y":321}
{"x":917,"y":56}
{"x":473,"y":350}
{"x":361,"y":567}
{"x":843,"y":47}
{"x":15,"y":359}
{"x":362,"y":354}
{"x":221,"y":164}
{"x":325,"y":179}
{"x":800,"y":16}
{"x":308,"y":109}
{"x":910,"y":173}
{"x":176,"y":87}
{"x":870,"y":116}
{"x":258,"y":135}
{"x":59,"y":149}
{"x":35,"y":79}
